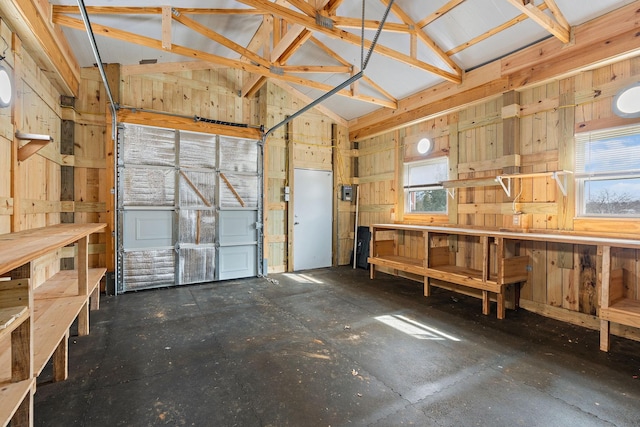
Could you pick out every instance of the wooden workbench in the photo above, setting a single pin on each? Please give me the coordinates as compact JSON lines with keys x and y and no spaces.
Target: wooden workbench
{"x":500,"y":267}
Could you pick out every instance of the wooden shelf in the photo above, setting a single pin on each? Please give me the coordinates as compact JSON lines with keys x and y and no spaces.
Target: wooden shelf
{"x":401,"y":263}
{"x":625,"y":311}
{"x":30,"y":244}
{"x":36,"y":143}
{"x":464,"y":276}
{"x":56,"y":306}
{"x":12,"y":395}
{"x":38,"y":317}
{"x":500,"y":180}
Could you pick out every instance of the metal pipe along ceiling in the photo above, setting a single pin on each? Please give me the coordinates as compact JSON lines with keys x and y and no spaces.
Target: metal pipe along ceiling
{"x":96,"y":54}
{"x":341,"y":86}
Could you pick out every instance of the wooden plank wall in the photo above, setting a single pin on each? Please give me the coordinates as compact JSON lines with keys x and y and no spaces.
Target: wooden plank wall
{"x":563,"y":280}
{"x":310,"y":141}
{"x":31,"y":188}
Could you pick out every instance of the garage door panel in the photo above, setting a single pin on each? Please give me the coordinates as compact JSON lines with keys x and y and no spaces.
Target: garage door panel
{"x":147,"y":229}
{"x":237,"y":261}
{"x":238,"y":155}
{"x":197,"y":265}
{"x":246,"y":188}
{"x":149,"y":269}
{"x":197,"y":189}
{"x":237,"y":227}
{"x":148,"y":187}
{"x":138,"y":150}
{"x":197,"y":226}
{"x":198,"y":150}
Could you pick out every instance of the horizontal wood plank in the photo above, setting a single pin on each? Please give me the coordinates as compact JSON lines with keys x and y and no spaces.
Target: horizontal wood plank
{"x":19,"y":248}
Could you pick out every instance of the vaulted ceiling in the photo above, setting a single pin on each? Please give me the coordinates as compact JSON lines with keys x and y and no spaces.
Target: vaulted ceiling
{"x":313,"y":45}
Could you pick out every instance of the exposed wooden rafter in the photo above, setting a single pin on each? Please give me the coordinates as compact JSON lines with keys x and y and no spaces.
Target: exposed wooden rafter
{"x":117,"y":34}
{"x":492,"y":32}
{"x":310,"y":23}
{"x":559,"y":26}
{"x":397,"y":10}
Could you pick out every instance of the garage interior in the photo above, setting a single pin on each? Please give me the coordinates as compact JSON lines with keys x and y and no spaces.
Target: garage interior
{"x":319,"y":212}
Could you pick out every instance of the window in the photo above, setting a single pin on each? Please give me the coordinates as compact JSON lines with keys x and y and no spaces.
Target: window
{"x":608,"y":172}
{"x":422,"y":189}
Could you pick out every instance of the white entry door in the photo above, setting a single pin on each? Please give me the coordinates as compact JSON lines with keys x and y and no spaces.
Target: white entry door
{"x":312,"y":212}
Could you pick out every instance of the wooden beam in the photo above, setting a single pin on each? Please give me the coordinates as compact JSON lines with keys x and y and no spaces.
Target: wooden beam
{"x":556,"y":28}
{"x":50,"y":52}
{"x":148,"y":10}
{"x":162,"y":120}
{"x":557,"y":13}
{"x":218,"y":38}
{"x":492,"y":32}
{"x":304,"y":7}
{"x":601,"y":40}
{"x":166,"y":27}
{"x":400,"y":13}
{"x":438,"y":13}
{"x":356,"y":24}
{"x":311,"y":24}
{"x":232,"y":63}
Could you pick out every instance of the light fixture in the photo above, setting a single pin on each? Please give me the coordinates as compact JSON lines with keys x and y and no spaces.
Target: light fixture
{"x":424,"y":146}
{"x":6,"y":88}
{"x":626,"y":103}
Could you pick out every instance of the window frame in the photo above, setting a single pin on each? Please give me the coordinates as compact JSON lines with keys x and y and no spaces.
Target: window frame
{"x":409,"y":190}
{"x":583,"y":177}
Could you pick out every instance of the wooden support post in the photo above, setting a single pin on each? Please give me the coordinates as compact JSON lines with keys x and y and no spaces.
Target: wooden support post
{"x":372,"y":248}
{"x":486,"y":302}
{"x":427,"y":243}
{"x":95,"y":299}
{"x":604,"y":287}
{"x":21,"y":360}
{"x":60,"y":359}
{"x":67,"y":179}
{"x":83,"y":266}
{"x":511,"y":128}
{"x":16,"y":120}
{"x":83,"y":320}
{"x":23,"y":416}
{"x":501,"y":305}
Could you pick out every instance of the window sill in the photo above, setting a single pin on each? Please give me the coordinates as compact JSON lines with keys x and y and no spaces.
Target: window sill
{"x":607,"y":225}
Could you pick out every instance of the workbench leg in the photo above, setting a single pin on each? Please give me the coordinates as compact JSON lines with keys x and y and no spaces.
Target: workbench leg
{"x":501,"y":305}
{"x":23,"y":416}
{"x":95,"y":299}
{"x":61,"y":359}
{"x":486,"y":303}
{"x":605,"y":326}
{"x":83,"y":320}
{"x":372,"y":271}
{"x":427,"y":287}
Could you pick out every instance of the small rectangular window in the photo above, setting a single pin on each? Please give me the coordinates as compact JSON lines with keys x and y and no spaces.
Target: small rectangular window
{"x":422,"y":189}
{"x":608,"y":172}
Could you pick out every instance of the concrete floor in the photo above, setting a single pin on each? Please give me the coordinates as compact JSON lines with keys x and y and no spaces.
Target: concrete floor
{"x":319,"y":353}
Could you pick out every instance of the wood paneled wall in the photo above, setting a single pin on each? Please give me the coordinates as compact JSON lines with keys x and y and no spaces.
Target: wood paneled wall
{"x":482,"y":141}
{"x":310,"y":141}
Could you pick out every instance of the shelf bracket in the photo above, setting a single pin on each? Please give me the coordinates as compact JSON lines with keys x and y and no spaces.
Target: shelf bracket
{"x":35,"y":144}
{"x":507,"y":188}
{"x":561,"y":185}
{"x":451,"y":192}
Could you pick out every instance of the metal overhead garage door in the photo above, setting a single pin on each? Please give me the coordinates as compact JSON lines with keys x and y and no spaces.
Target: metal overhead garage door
{"x":188,"y":207}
